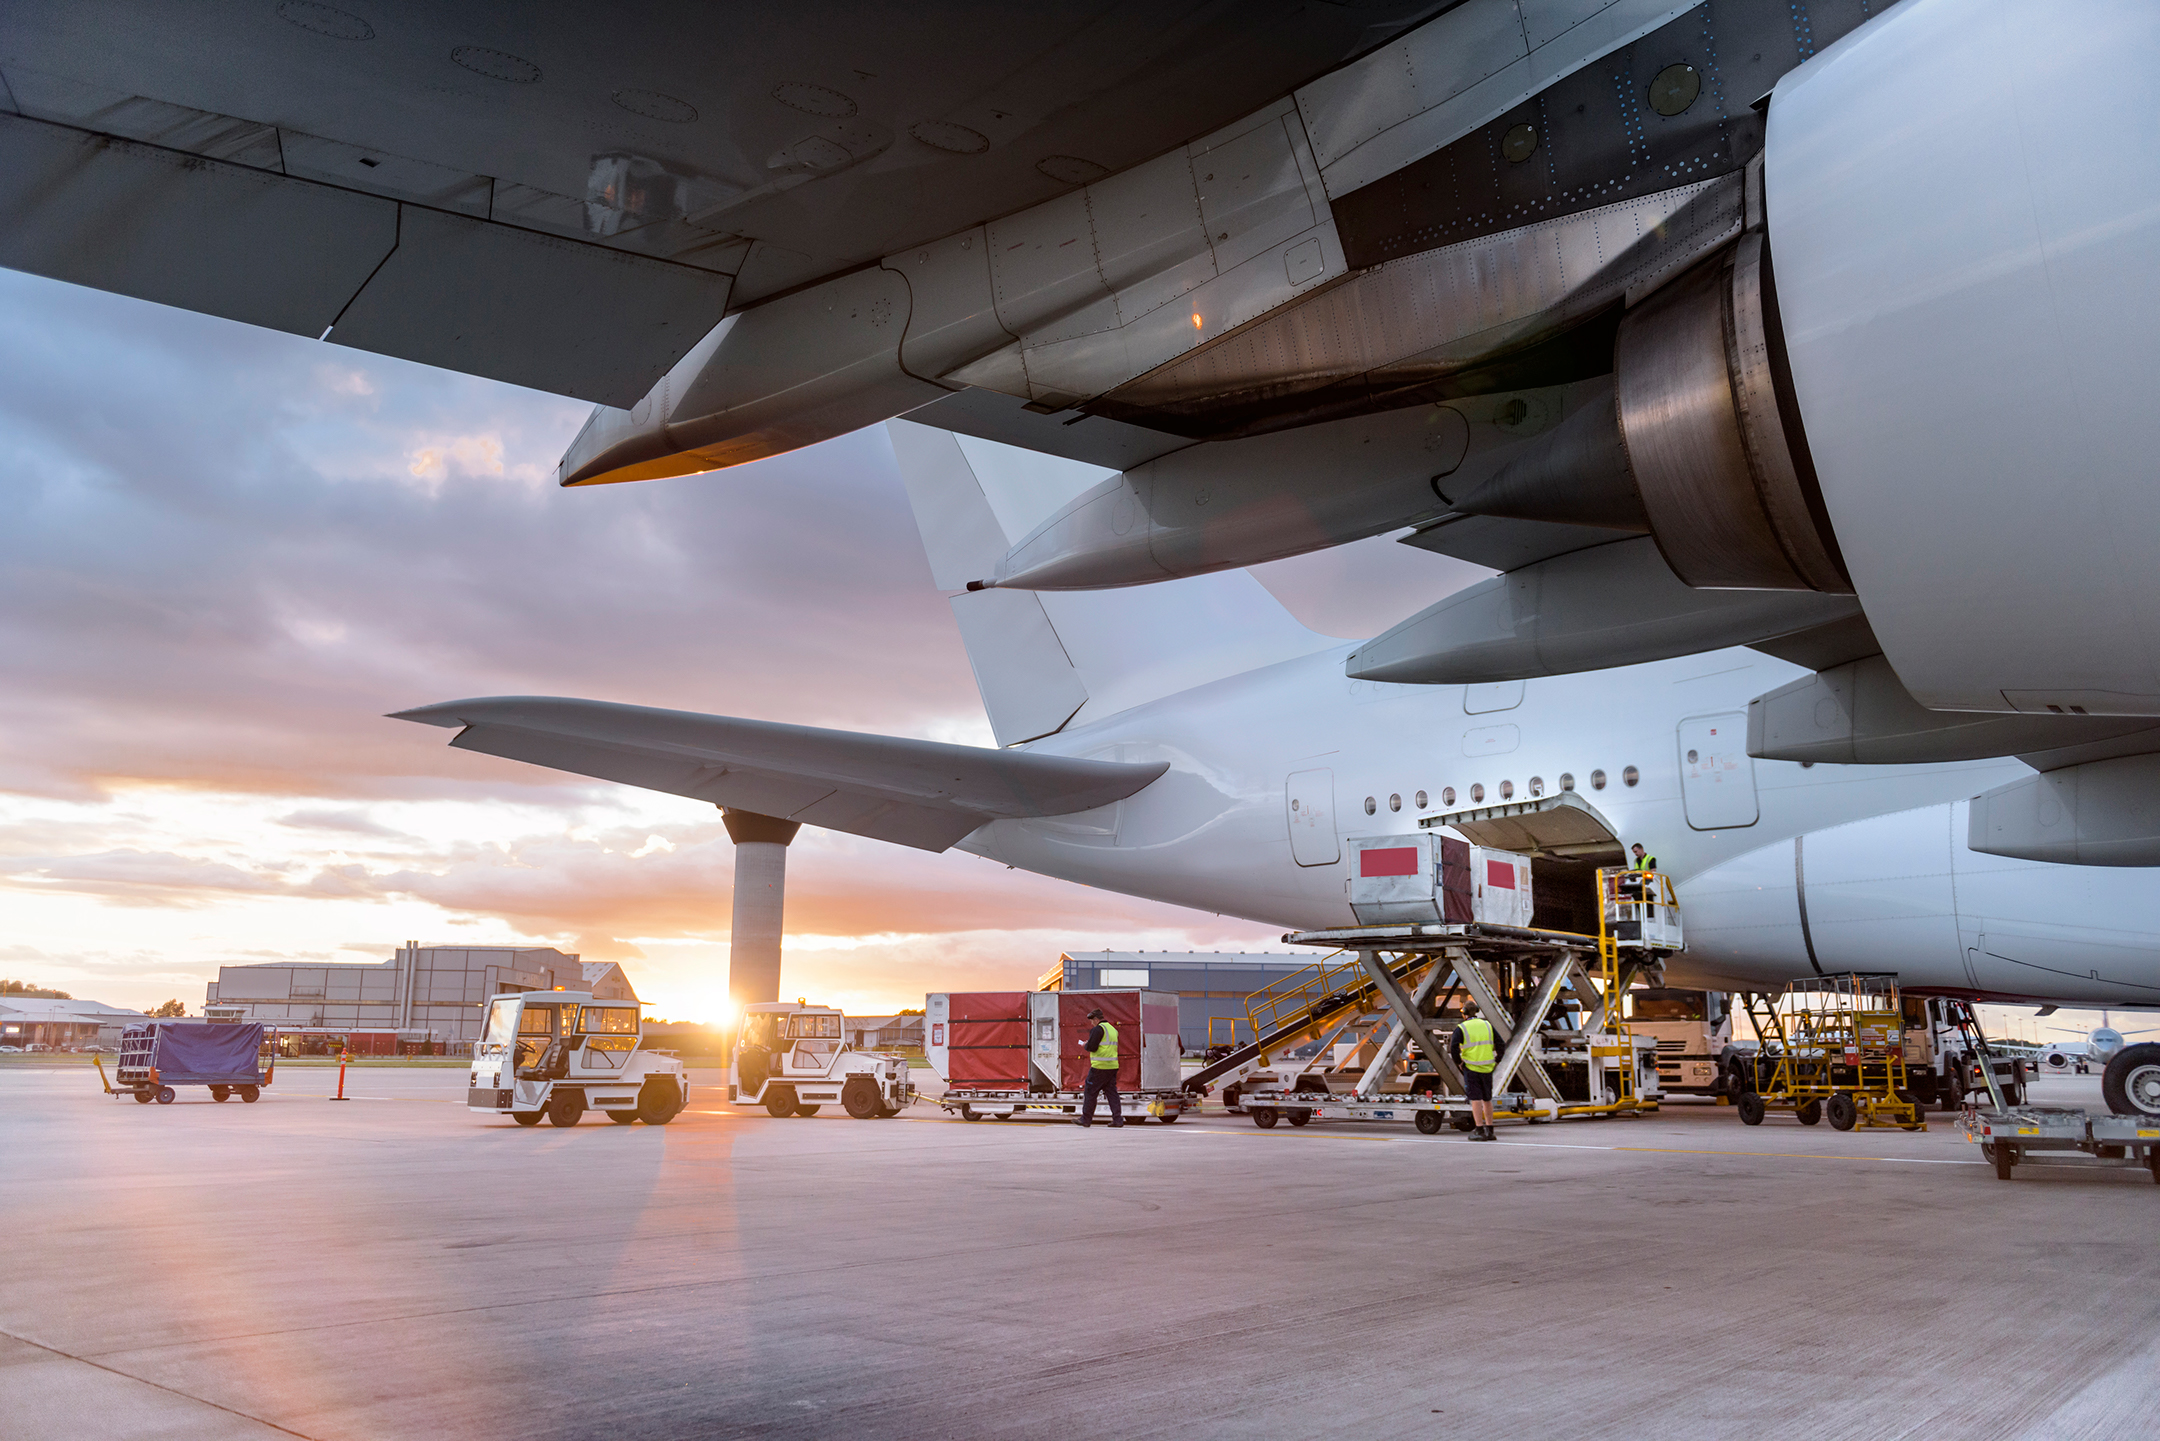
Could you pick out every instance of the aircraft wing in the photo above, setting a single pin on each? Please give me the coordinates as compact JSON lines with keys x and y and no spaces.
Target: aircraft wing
{"x":925,"y":794}
{"x":570,"y":197}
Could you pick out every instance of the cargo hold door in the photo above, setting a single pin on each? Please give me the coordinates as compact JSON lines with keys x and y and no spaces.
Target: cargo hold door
{"x":1310,"y":806}
{"x":1717,"y":775}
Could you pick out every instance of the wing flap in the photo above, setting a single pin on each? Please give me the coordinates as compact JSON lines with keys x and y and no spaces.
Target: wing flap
{"x":918,"y":793}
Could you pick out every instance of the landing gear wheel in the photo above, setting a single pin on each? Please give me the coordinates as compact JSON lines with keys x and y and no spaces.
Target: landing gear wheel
{"x":859,"y":1098}
{"x":2131,"y":1083}
{"x":1429,"y":1123}
{"x":1843,"y":1114}
{"x":221,"y":1093}
{"x":660,"y":1100}
{"x":780,"y":1102}
{"x":565,"y":1108}
{"x":1750,"y":1107}
{"x":623,"y":1118}
{"x":250,"y":1094}
{"x":166,"y":1095}
{"x":143,"y":1098}
{"x":1264,"y":1117}
{"x":1299,"y":1118}
{"x":526,"y":1118}
{"x":1809,"y":1114}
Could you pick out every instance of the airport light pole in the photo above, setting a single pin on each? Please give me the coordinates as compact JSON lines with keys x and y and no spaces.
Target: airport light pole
{"x":761,"y":844}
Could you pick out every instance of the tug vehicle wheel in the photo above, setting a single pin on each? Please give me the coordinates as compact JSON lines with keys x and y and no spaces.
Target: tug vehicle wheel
{"x":1428,"y":1123}
{"x":886,"y":1113}
{"x":166,"y":1095}
{"x":143,"y":1098}
{"x":221,"y":1093}
{"x":1263,"y":1117}
{"x":1841,"y":1110}
{"x":623,"y":1118}
{"x":806,"y":1110}
{"x":780,"y":1102}
{"x":658,"y":1102}
{"x":1299,"y":1118}
{"x":1809,"y":1114}
{"x":1169,"y":1115}
{"x":565,"y":1108}
{"x":859,"y":1098}
{"x":250,"y":1094}
{"x":1750,"y":1106}
{"x":526,"y":1118}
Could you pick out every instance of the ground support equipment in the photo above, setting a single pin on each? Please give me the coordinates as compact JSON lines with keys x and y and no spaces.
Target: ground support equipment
{"x":1833,"y":1047}
{"x":971,"y":1104}
{"x":227,"y":1057}
{"x":1381,"y":992}
{"x":2015,"y":1136}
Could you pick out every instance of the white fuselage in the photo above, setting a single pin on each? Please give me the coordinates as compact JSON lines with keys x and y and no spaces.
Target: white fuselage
{"x":1783,"y":869}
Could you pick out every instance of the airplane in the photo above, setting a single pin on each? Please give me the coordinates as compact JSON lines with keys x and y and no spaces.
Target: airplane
{"x":2101,"y":1044}
{"x":1738,"y":321}
{"x":1191,"y":742}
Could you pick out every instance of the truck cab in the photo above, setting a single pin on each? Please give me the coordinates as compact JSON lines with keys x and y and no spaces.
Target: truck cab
{"x":558,"y":1053}
{"x":1693,"y":1031}
{"x":791,"y":1057}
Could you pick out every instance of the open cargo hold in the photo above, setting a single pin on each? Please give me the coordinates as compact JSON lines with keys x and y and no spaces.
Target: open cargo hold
{"x":1005,"y":1051}
{"x":1412,"y":879}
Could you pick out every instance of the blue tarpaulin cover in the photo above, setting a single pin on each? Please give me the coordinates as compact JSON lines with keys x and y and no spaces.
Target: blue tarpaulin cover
{"x":202,"y":1051}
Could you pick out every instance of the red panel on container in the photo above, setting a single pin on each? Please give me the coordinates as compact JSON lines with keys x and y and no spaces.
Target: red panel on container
{"x":1454,"y":880}
{"x":1500,"y":874}
{"x":987,"y":1039}
{"x":1120,"y":1009}
{"x":1394,"y":861}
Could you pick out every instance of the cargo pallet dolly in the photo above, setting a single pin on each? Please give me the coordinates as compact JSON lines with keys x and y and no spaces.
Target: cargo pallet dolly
{"x":2011,"y":1135}
{"x":1022,"y":1056}
{"x":1386,"y":980}
{"x":223,"y":1055}
{"x":1836,"y":1048}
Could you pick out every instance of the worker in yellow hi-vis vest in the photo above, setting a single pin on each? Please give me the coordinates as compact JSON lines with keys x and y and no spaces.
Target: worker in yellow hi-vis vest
{"x":1101,"y":1048}
{"x":1473,"y":1051}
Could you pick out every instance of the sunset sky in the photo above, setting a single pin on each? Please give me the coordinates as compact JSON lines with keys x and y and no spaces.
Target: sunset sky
{"x":229,"y":552}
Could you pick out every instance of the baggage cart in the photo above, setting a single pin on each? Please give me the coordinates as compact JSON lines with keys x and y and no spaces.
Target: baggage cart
{"x":1009,"y":1053}
{"x":1834,"y":1048}
{"x":2014,"y":1135}
{"x":226,"y":1056}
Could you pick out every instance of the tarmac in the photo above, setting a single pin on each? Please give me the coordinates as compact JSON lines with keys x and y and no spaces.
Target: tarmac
{"x":398,"y":1267}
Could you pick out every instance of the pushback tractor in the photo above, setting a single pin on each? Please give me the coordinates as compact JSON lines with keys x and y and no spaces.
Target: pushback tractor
{"x":792,"y":1058}
{"x":556,"y":1054}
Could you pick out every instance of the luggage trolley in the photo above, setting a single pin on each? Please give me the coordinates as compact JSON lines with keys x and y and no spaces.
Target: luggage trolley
{"x":223,"y":1055}
{"x":1834,"y":1046}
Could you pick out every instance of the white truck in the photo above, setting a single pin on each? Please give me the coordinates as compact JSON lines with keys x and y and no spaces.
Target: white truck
{"x":792,"y":1058}
{"x":559,"y":1053}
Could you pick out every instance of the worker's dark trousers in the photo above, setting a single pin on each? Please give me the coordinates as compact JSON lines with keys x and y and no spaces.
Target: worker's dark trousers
{"x":1100,"y":1082}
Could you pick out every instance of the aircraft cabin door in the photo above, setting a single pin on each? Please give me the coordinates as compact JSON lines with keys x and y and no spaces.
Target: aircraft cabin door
{"x":1717,"y":775}
{"x":1311,"y":808}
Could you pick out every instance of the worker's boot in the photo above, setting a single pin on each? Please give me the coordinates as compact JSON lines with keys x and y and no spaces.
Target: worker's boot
{"x":1491,"y":1134}
{"x":1481,"y":1133}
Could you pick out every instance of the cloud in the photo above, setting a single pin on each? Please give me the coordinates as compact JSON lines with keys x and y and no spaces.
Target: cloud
{"x":347,"y":821}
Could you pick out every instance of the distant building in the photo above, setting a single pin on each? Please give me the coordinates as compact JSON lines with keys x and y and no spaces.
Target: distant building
{"x":34,"y":1021}
{"x":885,"y":1033}
{"x":1210,"y":985}
{"x":426,"y":999}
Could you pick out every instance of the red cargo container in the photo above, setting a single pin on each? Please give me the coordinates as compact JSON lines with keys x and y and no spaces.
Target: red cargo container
{"x":986,"y":1038}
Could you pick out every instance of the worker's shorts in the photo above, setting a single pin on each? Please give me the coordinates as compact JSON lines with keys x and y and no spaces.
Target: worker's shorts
{"x":1476,"y":1085}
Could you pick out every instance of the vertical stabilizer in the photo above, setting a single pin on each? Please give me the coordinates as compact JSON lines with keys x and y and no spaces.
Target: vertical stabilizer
{"x":1046,"y":660}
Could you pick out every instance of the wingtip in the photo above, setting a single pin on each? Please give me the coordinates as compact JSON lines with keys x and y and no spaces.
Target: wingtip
{"x":431,"y":715}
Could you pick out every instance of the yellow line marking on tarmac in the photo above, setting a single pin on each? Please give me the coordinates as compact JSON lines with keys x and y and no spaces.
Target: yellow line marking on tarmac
{"x":1587,"y":1146}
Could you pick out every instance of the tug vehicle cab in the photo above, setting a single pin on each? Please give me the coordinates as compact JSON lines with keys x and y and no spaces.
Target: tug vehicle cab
{"x":558,"y":1053}
{"x":792,"y":1058}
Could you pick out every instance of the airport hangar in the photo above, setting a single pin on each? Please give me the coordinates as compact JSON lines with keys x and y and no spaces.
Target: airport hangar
{"x":425,"y":1000}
